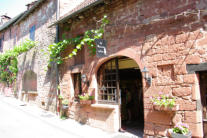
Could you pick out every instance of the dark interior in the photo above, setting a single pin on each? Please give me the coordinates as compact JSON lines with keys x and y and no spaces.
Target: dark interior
{"x":132,"y":115}
{"x":203,"y":92}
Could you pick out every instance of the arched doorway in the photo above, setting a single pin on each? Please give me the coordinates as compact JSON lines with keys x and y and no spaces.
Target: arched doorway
{"x":29,"y":86}
{"x":120,"y":82}
{"x":29,"y":82}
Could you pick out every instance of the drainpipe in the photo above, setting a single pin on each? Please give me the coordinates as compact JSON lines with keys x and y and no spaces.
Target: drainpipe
{"x":56,"y":66}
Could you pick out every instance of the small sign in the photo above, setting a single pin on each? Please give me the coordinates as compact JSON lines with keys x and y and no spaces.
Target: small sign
{"x":101,"y":47}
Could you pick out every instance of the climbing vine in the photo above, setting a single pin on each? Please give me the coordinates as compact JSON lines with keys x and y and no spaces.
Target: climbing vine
{"x":87,"y":39}
{"x":8,"y":61}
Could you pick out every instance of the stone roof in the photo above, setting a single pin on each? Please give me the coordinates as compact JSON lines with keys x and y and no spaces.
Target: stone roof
{"x":11,"y":21}
{"x":78,"y":9}
{"x":21,"y":16}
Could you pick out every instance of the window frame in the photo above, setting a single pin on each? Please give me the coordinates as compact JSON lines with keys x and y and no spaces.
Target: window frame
{"x":110,"y":92}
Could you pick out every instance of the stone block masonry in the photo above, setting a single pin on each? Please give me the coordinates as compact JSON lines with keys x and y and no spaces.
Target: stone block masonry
{"x":164,"y":36}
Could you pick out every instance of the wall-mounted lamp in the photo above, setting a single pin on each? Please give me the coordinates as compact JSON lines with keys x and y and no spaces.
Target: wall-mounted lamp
{"x":84,"y":79}
{"x":146,"y":75}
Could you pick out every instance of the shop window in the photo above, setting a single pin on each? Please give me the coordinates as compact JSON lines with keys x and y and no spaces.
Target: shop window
{"x":77,"y":85}
{"x":80,"y":57}
{"x":32,"y":33}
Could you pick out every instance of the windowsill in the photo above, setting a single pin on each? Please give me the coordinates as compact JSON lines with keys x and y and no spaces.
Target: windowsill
{"x":104,"y":106}
{"x":29,"y":92}
{"x":32,"y":92}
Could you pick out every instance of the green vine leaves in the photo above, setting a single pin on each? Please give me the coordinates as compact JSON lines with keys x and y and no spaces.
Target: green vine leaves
{"x":87,"y":39}
{"x":8,"y":61}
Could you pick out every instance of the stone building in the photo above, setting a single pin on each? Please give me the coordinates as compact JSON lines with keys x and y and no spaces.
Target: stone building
{"x":34,"y":84}
{"x":168,"y":38}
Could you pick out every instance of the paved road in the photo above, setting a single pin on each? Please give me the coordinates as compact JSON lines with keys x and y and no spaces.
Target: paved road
{"x":16,"y":123}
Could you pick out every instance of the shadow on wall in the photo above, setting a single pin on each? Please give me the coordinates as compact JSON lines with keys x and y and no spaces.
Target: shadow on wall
{"x":26,"y":67}
{"x":157,"y":122}
{"x":96,"y":117}
{"x":50,"y":79}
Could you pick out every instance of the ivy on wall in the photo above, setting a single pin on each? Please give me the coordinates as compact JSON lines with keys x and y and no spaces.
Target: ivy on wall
{"x":86,"y":40}
{"x":8,"y":61}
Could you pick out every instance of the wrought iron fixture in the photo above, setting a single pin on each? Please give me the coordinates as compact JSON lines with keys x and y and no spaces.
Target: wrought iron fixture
{"x":146,"y":75}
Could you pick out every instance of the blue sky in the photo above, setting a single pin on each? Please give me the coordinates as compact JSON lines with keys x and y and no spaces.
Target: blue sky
{"x":13,"y":7}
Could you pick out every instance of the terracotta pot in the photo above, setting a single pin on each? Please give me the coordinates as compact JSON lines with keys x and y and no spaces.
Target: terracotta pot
{"x":176,"y":135}
{"x":168,"y":109}
{"x":88,"y":102}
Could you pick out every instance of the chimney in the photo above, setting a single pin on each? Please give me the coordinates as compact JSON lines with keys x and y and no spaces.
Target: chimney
{"x":4,"y":19}
{"x":29,"y":5}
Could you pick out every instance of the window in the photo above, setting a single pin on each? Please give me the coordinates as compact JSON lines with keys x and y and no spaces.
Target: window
{"x":108,"y":80}
{"x":77,"y":84}
{"x":10,"y":35}
{"x":80,"y":57}
{"x":32,"y":33}
{"x":15,"y":39}
{"x":1,"y":44}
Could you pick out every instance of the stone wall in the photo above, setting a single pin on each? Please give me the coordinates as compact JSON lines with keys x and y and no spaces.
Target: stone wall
{"x":163,"y":36}
{"x":35,"y":60}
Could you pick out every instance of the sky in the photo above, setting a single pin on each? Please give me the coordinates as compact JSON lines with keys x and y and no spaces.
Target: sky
{"x":13,"y":7}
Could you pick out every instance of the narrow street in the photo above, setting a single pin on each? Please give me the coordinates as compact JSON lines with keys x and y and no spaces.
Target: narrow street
{"x":18,"y":120}
{"x":17,"y":123}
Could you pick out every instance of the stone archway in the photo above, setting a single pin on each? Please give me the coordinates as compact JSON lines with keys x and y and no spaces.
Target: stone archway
{"x":29,"y":86}
{"x":29,"y":81}
{"x":120,"y":82}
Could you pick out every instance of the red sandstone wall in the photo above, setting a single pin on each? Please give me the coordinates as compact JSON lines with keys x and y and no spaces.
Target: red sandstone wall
{"x":162,"y":35}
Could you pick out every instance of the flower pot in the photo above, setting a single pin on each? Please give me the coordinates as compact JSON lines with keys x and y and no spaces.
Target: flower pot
{"x":64,"y":107}
{"x":87,"y":102}
{"x":176,"y":135}
{"x":167,"y":109}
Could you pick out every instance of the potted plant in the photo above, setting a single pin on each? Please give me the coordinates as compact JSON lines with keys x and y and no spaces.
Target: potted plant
{"x":85,"y":98}
{"x":181,"y":130}
{"x":65,"y":104}
{"x":164,"y":102}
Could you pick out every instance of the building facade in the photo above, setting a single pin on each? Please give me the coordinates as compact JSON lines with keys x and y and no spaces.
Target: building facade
{"x":34,"y":83}
{"x":168,"y":38}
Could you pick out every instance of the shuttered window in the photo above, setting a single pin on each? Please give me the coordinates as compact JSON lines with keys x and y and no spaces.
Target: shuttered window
{"x":1,"y":44}
{"x":32,"y":33}
{"x":77,"y":84}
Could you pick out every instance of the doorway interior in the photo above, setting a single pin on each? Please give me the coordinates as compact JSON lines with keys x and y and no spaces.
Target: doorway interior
{"x":120,"y":81}
{"x":203,"y":93}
